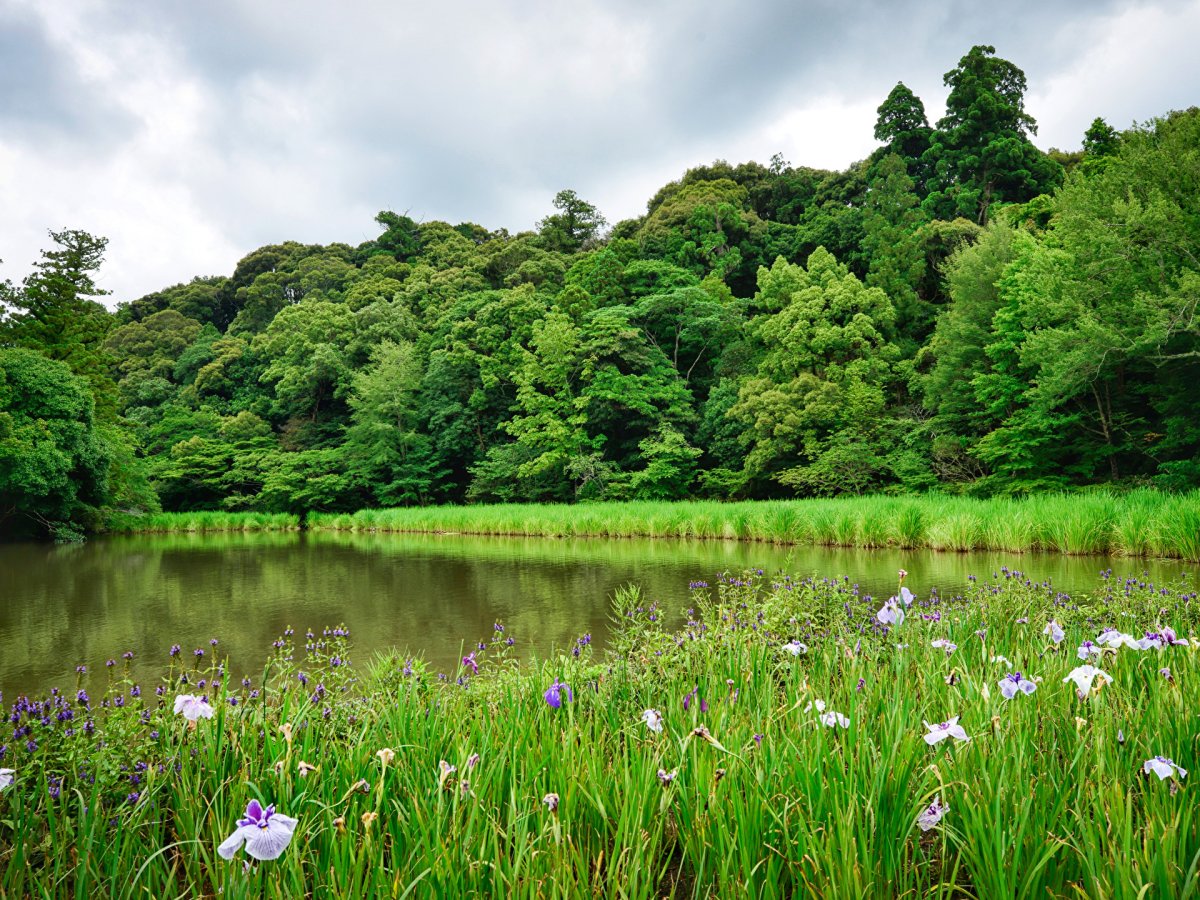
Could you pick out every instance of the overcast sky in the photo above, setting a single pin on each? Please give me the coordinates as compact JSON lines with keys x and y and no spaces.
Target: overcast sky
{"x":189,"y":133}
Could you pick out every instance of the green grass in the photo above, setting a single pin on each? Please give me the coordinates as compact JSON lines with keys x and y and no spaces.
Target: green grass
{"x":1047,"y":798}
{"x":205,"y":521}
{"x":1140,"y":523}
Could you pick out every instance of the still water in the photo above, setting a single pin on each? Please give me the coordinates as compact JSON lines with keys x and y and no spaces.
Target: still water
{"x":64,"y":606}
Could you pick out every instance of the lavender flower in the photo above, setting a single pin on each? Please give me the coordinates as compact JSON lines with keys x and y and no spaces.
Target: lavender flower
{"x":1014,"y":683}
{"x":1170,"y":637}
{"x":653,"y":720}
{"x":1163,"y":768}
{"x":943,"y":730}
{"x":554,"y":694}
{"x":265,"y":833}
{"x":932,"y":814}
{"x":890,"y":614}
{"x":833,"y":719}
{"x":192,"y":707}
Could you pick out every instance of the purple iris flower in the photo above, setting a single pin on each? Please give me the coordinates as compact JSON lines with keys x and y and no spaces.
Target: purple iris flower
{"x":469,"y":660}
{"x":554,"y":694}
{"x":943,"y":730}
{"x":1055,"y":631}
{"x":265,"y":833}
{"x":1014,"y":683}
{"x":932,"y":814}
{"x":1164,"y":768}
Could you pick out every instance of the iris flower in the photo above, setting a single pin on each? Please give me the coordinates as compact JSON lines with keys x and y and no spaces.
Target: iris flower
{"x":193,"y":707}
{"x":1163,"y":768}
{"x":943,"y":730}
{"x":1055,"y":631}
{"x":833,"y":719}
{"x":1089,"y":649}
{"x":942,"y":643}
{"x":932,"y":814}
{"x":265,"y":833}
{"x":1170,"y":637}
{"x":795,"y":648}
{"x":653,"y":720}
{"x":1110,"y":637}
{"x":1084,"y":677}
{"x":6,"y":777}
{"x":1014,"y":683}
{"x":551,"y":801}
{"x":891,"y":614}
{"x":554,"y":694}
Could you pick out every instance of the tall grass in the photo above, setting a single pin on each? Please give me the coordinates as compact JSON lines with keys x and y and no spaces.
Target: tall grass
{"x":205,"y":521}
{"x":744,"y":793}
{"x":1140,"y":523}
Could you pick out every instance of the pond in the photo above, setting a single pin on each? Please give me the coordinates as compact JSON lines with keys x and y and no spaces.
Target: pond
{"x":67,"y":605}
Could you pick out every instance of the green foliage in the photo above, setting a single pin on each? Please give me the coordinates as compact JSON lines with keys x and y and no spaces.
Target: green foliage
{"x":54,"y":461}
{"x":962,"y":322}
{"x":823,"y":377}
{"x":576,"y":223}
{"x":981,"y":153}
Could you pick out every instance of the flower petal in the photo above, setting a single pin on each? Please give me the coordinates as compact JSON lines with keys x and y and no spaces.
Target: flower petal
{"x":233,"y":843}
{"x":271,"y":841}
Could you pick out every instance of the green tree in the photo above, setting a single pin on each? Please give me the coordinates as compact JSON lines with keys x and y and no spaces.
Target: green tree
{"x":903,"y":127}
{"x":891,"y":220}
{"x":54,"y":312}
{"x":981,"y":153}
{"x":388,"y":454}
{"x":575,"y":224}
{"x":54,"y":462}
{"x":824,"y":374}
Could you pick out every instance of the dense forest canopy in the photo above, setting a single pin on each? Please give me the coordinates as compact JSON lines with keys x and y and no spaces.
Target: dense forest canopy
{"x":960,"y":311}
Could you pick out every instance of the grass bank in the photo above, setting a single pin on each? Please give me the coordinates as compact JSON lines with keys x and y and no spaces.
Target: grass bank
{"x":775,"y":773}
{"x":204,"y":521}
{"x":1140,"y":523}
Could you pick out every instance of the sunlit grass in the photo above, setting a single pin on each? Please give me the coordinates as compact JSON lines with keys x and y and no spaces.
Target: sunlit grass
{"x":1141,"y":523}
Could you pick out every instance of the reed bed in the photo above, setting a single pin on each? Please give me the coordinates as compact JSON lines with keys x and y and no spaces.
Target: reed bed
{"x":205,"y":521}
{"x":786,"y":755}
{"x":1140,"y":523}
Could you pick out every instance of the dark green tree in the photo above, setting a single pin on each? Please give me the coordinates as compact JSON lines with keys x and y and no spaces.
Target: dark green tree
{"x":575,"y":224}
{"x":54,"y":463}
{"x":981,"y":153}
{"x":55,"y":313}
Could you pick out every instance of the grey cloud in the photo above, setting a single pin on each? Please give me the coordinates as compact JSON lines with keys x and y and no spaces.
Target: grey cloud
{"x":43,"y":99}
{"x":317,"y":115}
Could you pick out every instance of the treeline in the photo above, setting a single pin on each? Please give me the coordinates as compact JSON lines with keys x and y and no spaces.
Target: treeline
{"x":960,"y":311}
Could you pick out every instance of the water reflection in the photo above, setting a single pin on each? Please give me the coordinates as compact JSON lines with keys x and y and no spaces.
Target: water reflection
{"x":61,"y":606}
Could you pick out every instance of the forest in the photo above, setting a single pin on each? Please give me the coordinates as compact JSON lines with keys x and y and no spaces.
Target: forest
{"x":960,"y":312}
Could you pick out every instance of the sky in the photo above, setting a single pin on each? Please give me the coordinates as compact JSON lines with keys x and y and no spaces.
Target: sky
{"x":190,"y":133}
